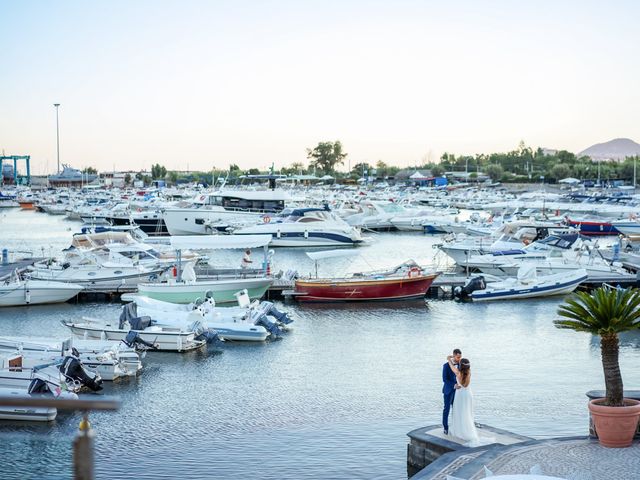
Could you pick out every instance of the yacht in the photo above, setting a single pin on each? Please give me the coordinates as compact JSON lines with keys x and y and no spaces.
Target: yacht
{"x":217,"y":211}
{"x":305,"y":227}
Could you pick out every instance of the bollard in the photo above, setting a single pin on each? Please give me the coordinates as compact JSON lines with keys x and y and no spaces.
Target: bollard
{"x":5,"y":256}
{"x":83,"y":451}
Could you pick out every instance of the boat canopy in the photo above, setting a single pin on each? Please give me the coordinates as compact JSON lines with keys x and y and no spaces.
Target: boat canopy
{"x":220,"y":242}
{"x":331,"y":254}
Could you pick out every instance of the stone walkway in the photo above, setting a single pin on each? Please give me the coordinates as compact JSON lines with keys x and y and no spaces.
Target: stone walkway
{"x":570,"y":458}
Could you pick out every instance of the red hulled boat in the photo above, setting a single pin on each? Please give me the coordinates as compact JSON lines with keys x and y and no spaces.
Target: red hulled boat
{"x":403,"y":282}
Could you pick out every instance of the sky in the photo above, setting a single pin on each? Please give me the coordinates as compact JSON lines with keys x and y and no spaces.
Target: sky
{"x":195,"y":85}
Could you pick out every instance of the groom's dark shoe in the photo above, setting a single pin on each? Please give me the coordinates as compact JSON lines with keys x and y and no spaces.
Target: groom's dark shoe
{"x":446,"y":432}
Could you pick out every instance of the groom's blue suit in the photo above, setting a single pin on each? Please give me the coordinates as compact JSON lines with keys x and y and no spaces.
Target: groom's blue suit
{"x":449,"y":392}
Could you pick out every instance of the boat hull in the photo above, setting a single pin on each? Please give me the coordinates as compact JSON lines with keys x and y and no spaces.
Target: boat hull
{"x":223,"y":291}
{"x":594,"y":228}
{"x":559,"y":288}
{"x":34,"y":292}
{"x":348,"y":290}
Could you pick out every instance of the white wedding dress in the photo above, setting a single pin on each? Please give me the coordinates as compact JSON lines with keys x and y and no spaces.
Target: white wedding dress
{"x":462,"y":423}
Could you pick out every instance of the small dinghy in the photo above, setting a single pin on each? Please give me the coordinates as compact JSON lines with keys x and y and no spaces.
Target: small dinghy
{"x":526,"y":285}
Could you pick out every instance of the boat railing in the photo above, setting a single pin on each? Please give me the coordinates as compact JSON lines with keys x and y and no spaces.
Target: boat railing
{"x":83,"y":443}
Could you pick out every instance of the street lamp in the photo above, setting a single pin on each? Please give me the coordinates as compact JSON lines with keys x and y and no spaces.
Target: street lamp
{"x":57,"y":135}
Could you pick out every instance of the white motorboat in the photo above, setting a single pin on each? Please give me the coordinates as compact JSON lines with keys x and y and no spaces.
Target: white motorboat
{"x":18,"y":292}
{"x":246,"y":322}
{"x":93,"y":274}
{"x":211,"y":212}
{"x":305,"y":227}
{"x":109,"y":359}
{"x":166,"y":338}
{"x":526,"y":285}
{"x":65,"y":373}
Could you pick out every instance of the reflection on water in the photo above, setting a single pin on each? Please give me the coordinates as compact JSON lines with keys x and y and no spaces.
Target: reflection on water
{"x":333,"y":399}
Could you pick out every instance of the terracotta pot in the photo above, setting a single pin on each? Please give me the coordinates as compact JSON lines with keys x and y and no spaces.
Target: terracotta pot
{"x":615,"y":426}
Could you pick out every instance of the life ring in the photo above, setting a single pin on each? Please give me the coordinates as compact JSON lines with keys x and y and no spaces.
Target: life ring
{"x":414,"y":272}
{"x":266,"y":219}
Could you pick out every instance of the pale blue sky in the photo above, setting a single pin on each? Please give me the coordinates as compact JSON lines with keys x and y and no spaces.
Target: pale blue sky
{"x":210,"y":83}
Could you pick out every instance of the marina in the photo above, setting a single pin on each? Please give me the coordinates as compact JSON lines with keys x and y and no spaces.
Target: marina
{"x":419,"y":330}
{"x":324,"y":240}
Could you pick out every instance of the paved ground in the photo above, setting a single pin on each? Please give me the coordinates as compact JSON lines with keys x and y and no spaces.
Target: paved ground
{"x":568,"y":458}
{"x":579,"y":459}
{"x":486,"y":437}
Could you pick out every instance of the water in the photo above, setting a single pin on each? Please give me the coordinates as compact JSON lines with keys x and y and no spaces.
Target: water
{"x":333,"y":399}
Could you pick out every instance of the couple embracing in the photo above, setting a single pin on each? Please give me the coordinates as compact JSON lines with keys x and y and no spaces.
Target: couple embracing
{"x":458,"y":399}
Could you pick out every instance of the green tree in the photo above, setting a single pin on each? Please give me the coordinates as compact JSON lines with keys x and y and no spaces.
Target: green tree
{"x":173,"y":176}
{"x":495,"y":172}
{"x":90,"y":171}
{"x":127,"y":179}
{"x":606,"y":312}
{"x":326,"y":156}
{"x":158,"y":171}
{"x":437,"y":170}
{"x":559,"y":171}
{"x":360,"y":170}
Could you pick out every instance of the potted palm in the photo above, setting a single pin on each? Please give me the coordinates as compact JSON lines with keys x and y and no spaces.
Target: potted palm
{"x":606,"y":312}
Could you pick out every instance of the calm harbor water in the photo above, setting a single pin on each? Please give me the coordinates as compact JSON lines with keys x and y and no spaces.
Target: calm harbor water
{"x":333,"y":399}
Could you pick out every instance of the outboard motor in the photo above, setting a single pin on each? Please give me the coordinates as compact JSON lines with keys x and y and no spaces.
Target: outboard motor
{"x":282,"y":317}
{"x":272,"y":327}
{"x":133,"y":340}
{"x":473,"y":284}
{"x":203,"y":333}
{"x":73,"y":370}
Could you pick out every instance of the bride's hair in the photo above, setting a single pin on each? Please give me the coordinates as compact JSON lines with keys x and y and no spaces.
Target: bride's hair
{"x":465,"y":371}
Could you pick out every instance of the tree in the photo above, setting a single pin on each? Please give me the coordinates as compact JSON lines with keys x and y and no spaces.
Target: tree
{"x":360,"y":170}
{"x":158,"y":171}
{"x":326,"y":155}
{"x":173,"y":177}
{"x":495,"y":172}
{"x":559,"y":171}
{"x":606,"y":312}
{"x":127,"y":179}
{"x":437,"y":170}
{"x":90,"y":171}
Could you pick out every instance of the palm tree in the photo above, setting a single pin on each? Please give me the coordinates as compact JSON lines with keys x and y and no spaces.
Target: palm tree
{"x":605,"y":312}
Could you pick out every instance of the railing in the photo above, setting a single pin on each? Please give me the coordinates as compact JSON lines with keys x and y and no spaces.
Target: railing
{"x":83,"y":443}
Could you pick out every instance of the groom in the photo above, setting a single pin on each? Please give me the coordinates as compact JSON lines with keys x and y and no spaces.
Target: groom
{"x":449,"y":388}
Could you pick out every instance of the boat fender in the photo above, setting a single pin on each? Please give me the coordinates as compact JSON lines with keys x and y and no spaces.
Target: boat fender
{"x":414,"y":272}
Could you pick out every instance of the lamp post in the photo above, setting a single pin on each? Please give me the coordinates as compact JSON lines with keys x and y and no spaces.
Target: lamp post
{"x":57,"y":135}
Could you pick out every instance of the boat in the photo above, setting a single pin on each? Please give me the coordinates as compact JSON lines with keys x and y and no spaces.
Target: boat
{"x":43,"y":382}
{"x":305,"y":227}
{"x":89,"y":273}
{"x":217,"y":211}
{"x":187,"y":287}
{"x":159,"y":337}
{"x":108,"y":359}
{"x":526,"y":285}
{"x":595,"y":227}
{"x":245,"y":322}
{"x":406,"y":281}
{"x":18,"y":292}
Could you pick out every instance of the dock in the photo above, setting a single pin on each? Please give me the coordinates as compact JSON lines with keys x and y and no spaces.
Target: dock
{"x":6,"y":270}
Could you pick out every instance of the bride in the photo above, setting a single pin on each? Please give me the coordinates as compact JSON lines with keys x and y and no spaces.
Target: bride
{"x":462,"y":422}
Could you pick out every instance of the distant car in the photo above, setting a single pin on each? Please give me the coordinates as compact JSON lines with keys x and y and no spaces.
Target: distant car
{"x":588,"y":184}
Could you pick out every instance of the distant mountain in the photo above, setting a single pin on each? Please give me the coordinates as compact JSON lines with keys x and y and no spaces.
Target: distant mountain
{"x":616,"y":149}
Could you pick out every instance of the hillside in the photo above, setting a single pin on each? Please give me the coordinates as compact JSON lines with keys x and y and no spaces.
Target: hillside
{"x":616,"y":149}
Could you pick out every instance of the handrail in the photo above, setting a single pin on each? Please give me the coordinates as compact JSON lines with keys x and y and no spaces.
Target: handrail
{"x":84,"y":402}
